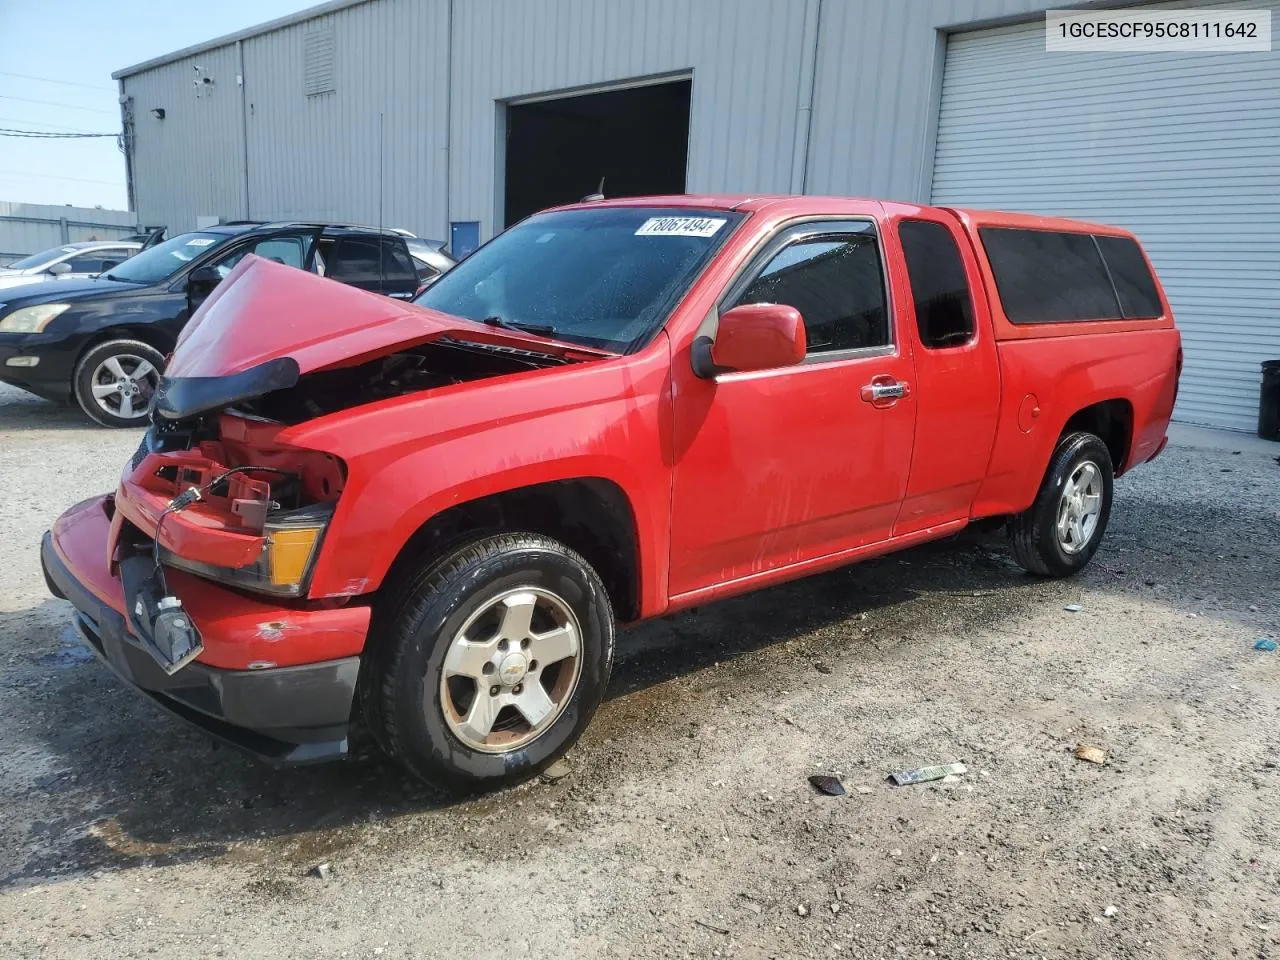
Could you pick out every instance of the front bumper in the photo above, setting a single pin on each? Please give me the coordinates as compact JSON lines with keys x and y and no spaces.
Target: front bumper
{"x":286,"y":714}
{"x":51,"y":377}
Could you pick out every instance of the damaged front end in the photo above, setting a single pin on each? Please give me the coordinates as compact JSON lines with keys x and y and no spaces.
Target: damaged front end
{"x":217,"y":491}
{"x":194,"y":580}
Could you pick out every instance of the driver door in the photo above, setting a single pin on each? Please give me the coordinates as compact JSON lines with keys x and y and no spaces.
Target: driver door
{"x":778,"y":467}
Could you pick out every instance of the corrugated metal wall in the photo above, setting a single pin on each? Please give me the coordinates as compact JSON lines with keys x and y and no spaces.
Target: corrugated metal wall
{"x":878,"y":70}
{"x":27,"y":228}
{"x":1183,"y":149}
{"x":874,"y":88}
{"x":191,"y":162}
{"x":317,"y":157}
{"x":744,"y":56}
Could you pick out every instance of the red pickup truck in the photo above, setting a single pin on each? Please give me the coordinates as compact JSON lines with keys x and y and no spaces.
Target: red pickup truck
{"x":435,"y":514}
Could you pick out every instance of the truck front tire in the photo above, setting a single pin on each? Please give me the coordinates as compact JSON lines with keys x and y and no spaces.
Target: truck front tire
{"x":1061,"y":531}
{"x":486,"y":666}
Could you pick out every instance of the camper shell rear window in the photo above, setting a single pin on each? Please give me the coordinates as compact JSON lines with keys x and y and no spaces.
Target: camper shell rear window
{"x":1047,"y":276}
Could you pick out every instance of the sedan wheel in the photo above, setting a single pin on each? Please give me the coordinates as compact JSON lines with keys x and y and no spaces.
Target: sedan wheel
{"x":116,"y":381}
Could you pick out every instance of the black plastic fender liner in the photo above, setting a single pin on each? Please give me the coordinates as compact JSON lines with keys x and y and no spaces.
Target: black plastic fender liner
{"x":180,"y":397}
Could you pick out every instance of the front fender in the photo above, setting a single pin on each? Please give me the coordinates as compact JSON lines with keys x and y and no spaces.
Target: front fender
{"x":412,"y":459}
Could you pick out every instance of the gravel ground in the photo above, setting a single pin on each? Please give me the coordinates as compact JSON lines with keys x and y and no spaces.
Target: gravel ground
{"x":686,"y":826}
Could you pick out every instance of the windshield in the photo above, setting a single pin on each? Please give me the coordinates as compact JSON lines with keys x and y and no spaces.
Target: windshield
{"x":165,"y":259}
{"x":605,"y":277}
{"x":41,"y":259}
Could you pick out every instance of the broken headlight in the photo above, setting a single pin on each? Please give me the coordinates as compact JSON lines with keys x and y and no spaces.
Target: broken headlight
{"x":283,"y":568}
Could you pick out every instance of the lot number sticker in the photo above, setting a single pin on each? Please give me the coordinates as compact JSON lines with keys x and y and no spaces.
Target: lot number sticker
{"x":680,"y":227}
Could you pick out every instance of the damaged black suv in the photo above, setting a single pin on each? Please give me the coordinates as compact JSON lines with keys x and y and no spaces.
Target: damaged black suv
{"x":102,"y":342}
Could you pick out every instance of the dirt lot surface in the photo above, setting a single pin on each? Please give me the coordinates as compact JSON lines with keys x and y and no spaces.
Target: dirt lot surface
{"x":686,"y":826}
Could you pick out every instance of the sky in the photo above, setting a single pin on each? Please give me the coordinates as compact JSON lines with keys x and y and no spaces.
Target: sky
{"x":56,"y":61}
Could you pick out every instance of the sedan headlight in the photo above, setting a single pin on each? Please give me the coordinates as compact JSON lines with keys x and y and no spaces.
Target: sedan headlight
{"x":283,"y":568}
{"x":32,"y":319}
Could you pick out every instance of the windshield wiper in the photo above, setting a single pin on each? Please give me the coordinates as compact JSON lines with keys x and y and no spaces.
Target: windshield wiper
{"x":541,"y":329}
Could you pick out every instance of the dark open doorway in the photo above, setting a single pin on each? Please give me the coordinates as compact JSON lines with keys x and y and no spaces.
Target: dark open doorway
{"x":557,"y":150}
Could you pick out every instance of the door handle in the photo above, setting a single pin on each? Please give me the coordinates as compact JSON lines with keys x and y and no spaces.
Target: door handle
{"x":883,"y":391}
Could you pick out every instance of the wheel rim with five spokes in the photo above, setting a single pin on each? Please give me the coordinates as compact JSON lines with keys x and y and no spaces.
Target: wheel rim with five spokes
{"x":1080,"y":507}
{"x":511,"y":670}
{"x":123,"y":385}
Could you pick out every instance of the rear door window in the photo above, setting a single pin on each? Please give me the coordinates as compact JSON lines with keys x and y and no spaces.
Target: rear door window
{"x":939,"y":287}
{"x":1044,"y":276}
{"x":379,"y":264}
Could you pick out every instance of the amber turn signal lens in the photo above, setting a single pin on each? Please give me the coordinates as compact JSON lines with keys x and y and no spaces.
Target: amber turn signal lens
{"x":289,"y":552}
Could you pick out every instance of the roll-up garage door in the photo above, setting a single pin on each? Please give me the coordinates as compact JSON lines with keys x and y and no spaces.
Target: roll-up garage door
{"x":1183,"y":149}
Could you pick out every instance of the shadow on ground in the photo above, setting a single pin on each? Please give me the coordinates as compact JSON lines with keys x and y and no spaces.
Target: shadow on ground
{"x":21,"y":412}
{"x":131,"y":785}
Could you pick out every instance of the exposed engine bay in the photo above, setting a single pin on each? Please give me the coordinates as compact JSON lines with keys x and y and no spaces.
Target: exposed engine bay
{"x":438,"y":363}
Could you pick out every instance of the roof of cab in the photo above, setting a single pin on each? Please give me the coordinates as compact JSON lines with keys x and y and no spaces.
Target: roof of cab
{"x":750,"y":203}
{"x":809,"y":205}
{"x":1031,"y":221}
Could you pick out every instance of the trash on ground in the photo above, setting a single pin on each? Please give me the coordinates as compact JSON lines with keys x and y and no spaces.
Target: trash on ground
{"x":1091,"y":754}
{"x":321,"y":870}
{"x":557,"y":771}
{"x":1073,"y":608}
{"x":1111,"y":910}
{"x":802,"y":909}
{"x":825,"y":783}
{"x":712,"y":927}
{"x":1262,"y":643}
{"x":925,"y":774}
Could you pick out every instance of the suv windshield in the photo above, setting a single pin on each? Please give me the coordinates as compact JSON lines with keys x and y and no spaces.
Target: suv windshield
{"x":39,"y":259}
{"x":604,"y":277}
{"x":165,"y":259}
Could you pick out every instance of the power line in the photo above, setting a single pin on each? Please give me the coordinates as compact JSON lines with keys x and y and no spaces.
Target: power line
{"x":50,"y":135}
{"x":55,"y":103}
{"x":65,"y":83}
{"x":55,"y":126}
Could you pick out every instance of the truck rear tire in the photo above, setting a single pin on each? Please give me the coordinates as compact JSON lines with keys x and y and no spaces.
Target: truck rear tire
{"x":487,"y":665}
{"x":1061,"y":531}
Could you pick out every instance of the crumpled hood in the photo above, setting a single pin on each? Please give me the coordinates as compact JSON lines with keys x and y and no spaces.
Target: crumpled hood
{"x":265,"y":310}
{"x":267,"y":324}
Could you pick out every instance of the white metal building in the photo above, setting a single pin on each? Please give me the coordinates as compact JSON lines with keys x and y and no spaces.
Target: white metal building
{"x":454,"y":117}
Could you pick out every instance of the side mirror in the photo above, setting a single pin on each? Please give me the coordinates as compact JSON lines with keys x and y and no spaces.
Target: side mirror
{"x":754,"y":336}
{"x":200,"y":283}
{"x":58,"y":269}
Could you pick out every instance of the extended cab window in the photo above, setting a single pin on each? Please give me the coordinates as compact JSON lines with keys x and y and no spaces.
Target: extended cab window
{"x":835,"y":280}
{"x":939,"y":288}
